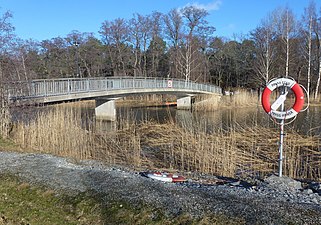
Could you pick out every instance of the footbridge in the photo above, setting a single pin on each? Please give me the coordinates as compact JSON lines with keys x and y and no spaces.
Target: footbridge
{"x":106,"y":90}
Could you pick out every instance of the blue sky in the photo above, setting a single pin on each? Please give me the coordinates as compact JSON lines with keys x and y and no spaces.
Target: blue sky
{"x":46,"y":19}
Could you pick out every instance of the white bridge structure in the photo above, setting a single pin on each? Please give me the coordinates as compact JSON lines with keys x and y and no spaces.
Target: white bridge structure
{"x":105,"y":90}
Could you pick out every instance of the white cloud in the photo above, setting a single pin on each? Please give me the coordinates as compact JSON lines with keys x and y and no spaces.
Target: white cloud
{"x":212,"y":6}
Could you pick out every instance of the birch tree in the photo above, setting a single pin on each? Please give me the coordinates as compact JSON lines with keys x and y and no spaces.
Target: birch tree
{"x":197,"y":28}
{"x":308,"y":24}
{"x":286,"y":27}
{"x":264,"y":37}
{"x":317,"y":32}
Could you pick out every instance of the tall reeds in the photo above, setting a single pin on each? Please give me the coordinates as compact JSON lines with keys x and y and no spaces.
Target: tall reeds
{"x":58,"y":131}
{"x":240,"y":151}
{"x":238,"y":98}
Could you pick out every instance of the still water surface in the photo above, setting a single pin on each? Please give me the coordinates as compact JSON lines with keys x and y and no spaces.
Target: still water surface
{"x":308,"y":122}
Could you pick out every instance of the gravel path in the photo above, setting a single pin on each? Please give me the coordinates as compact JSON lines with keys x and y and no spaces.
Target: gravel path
{"x":268,"y":203}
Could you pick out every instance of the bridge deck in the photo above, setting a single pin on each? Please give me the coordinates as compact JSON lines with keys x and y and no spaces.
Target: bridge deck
{"x":51,"y":90}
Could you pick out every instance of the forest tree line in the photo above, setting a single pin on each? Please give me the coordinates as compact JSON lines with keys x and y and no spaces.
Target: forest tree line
{"x":178,"y":44}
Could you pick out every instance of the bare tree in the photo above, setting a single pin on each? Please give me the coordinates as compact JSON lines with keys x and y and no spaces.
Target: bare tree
{"x":136,"y":38}
{"x":6,"y":35}
{"x":115,"y":35}
{"x":146,"y":37}
{"x":197,"y":26}
{"x":216,"y":59}
{"x":55,"y":58}
{"x":174,"y":32}
{"x":264,"y":36}
{"x":85,"y":51}
{"x":24,"y":59}
{"x":308,"y":25}
{"x":286,"y":28}
{"x":317,"y":32}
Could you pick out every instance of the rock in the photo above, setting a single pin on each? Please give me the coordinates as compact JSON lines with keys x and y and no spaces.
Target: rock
{"x":236,"y":183}
{"x":315,"y":186}
{"x":315,"y":200}
{"x":307,"y":191}
{"x":282,"y":183}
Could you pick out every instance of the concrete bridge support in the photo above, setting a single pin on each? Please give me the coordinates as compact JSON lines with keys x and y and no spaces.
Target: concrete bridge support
{"x":184,"y":103}
{"x":105,"y":109}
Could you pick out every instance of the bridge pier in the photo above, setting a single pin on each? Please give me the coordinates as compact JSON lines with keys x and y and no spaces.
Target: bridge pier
{"x":184,"y":103}
{"x":105,"y":109}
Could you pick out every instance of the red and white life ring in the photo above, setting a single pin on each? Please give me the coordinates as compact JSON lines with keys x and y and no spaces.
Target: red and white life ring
{"x":298,"y":104}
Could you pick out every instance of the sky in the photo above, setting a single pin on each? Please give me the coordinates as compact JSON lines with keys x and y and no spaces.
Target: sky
{"x":45,"y":19}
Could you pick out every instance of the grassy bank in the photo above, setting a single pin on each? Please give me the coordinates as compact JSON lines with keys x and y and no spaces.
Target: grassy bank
{"x":22,"y":203}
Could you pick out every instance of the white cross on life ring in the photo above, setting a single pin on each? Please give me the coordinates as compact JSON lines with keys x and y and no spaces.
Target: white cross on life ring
{"x":298,"y":104}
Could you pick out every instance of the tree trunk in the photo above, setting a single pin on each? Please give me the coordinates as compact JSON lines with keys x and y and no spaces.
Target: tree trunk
{"x":4,"y":110}
{"x":287,"y":45}
{"x":319,"y":74}
{"x":267,"y":75}
{"x":309,"y":54}
{"x":318,"y":81}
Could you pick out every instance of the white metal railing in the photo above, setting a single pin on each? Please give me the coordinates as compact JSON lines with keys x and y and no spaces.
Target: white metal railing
{"x":66,"y":86}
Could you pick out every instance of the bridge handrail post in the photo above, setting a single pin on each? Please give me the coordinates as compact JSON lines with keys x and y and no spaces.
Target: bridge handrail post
{"x":32,"y":89}
{"x":68,"y":86}
{"x":133,"y":83}
{"x":44,"y":87}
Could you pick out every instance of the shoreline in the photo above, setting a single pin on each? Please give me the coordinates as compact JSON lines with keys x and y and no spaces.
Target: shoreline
{"x":261,"y":204}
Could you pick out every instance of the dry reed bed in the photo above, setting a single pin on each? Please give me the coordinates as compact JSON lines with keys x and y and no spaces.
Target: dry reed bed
{"x":240,"y":151}
{"x":57,"y":131}
{"x":240,"y":98}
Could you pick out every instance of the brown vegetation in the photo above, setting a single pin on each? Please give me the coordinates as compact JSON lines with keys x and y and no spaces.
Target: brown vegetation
{"x":241,"y":151}
{"x":238,"y":98}
{"x":57,"y":131}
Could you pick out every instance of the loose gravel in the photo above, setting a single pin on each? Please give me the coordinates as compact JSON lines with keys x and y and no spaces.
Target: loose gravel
{"x":273,"y":201}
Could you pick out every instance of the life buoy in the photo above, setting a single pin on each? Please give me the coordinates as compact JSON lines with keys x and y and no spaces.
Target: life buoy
{"x":271,"y":109}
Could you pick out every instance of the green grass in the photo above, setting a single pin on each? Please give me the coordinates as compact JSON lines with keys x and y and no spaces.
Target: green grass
{"x":122,"y":213}
{"x":22,"y":203}
{"x":7,"y":145}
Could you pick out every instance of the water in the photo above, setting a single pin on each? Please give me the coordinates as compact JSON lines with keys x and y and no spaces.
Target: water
{"x":308,"y":122}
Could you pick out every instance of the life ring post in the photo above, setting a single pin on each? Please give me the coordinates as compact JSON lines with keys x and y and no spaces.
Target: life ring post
{"x":283,"y":91}
{"x":284,"y":84}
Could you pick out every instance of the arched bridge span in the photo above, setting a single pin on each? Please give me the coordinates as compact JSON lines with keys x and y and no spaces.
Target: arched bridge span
{"x":105,"y":90}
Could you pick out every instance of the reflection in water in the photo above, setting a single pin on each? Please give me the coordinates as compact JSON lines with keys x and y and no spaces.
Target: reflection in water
{"x":307,"y":122}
